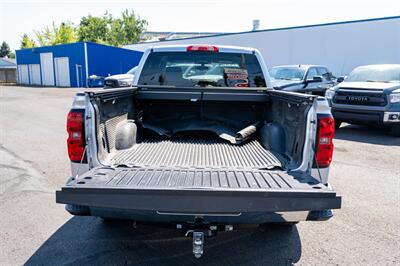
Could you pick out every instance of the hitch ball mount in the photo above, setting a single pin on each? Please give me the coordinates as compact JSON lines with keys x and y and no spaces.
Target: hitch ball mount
{"x":198,"y":235}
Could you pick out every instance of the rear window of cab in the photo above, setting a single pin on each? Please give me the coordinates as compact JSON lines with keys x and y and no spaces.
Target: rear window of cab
{"x":202,"y":69}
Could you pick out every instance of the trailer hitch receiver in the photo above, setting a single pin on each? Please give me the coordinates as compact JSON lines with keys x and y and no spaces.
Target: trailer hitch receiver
{"x":198,"y":244}
{"x":199,"y":232}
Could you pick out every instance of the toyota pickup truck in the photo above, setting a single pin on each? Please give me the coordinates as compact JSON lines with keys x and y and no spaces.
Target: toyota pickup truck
{"x":369,"y":95}
{"x":203,"y":142}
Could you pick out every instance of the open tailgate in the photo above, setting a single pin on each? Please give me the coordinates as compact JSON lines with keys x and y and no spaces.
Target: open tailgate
{"x":197,"y":190}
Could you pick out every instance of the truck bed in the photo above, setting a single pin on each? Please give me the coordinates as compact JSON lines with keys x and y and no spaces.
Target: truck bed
{"x":186,"y":174}
{"x":210,"y":152}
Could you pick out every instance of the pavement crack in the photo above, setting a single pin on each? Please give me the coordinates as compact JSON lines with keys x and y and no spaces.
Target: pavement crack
{"x":19,"y":175}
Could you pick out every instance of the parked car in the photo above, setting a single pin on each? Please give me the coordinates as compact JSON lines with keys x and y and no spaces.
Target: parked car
{"x":204,"y":151}
{"x":312,"y":79}
{"x":120,"y":80}
{"x":369,"y":95}
{"x":95,"y":81}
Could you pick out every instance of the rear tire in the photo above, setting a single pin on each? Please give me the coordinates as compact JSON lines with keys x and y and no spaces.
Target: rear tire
{"x":395,"y":130}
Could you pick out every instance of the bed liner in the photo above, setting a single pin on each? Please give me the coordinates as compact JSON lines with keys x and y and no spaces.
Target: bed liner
{"x":197,"y":152}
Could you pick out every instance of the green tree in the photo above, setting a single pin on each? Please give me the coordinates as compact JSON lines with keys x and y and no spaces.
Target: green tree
{"x":45,"y":37}
{"x":104,"y":29}
{"x":112,"y":31}
{"x":4,"y":49}
{"x":116,"y":35}
{"x":65,"y":33}
{"x":27,"y":42}
{"x":133,"y":26}
{"x":94,"y":29}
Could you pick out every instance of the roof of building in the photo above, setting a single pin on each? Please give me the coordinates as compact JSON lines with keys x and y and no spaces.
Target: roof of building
{"x":69,"y":44}
{"x":285,"y":28}
{"x":7,"y":63}
{"x":155,"y":36}
{"x":180,"y":33}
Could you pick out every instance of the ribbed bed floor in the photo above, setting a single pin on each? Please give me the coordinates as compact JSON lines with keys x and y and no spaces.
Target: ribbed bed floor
{"x":198,"y":153}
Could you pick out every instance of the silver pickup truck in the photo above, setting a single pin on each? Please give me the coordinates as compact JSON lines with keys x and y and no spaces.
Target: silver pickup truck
{"x":203,"y":142}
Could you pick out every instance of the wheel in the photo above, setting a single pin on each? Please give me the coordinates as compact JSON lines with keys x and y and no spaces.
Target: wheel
{"x":338,"y":123}
{"x":395,"y":130}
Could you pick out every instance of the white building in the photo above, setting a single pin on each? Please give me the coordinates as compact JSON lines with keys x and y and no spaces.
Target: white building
{"x":340,"y":46}
{"x":155,"y":36}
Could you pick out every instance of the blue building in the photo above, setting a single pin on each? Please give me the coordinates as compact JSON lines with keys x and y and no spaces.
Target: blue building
{"x":70,"y":65}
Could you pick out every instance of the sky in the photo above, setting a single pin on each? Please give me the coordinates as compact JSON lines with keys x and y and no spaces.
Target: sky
{"x":19,"y":17}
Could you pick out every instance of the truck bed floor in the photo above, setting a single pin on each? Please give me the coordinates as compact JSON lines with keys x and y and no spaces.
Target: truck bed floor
{"x":197,"y":152}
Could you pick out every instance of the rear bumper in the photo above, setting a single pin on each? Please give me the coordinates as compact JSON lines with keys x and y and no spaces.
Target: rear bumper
{"x":232,"y":218}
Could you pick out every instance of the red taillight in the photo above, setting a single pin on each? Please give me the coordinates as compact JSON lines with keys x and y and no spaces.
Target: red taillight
{"x":76,"y":135}
{"x":202,"y":48}
{"x":324,"y":147}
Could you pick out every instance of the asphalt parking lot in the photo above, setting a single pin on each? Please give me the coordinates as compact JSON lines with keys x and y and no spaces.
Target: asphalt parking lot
{"x":36,"y":230}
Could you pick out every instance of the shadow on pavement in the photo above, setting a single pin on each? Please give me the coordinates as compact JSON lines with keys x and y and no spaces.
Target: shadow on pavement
{"x":88,"y":240}
{"x":373,"y":135}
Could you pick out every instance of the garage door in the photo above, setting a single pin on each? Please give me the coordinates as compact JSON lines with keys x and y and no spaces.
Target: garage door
{"x":47,"y":69}
{"x":34,"y":73}
{"x":23,"y":74}
{"x":62,"y":71}
{"x":3,"y":77}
